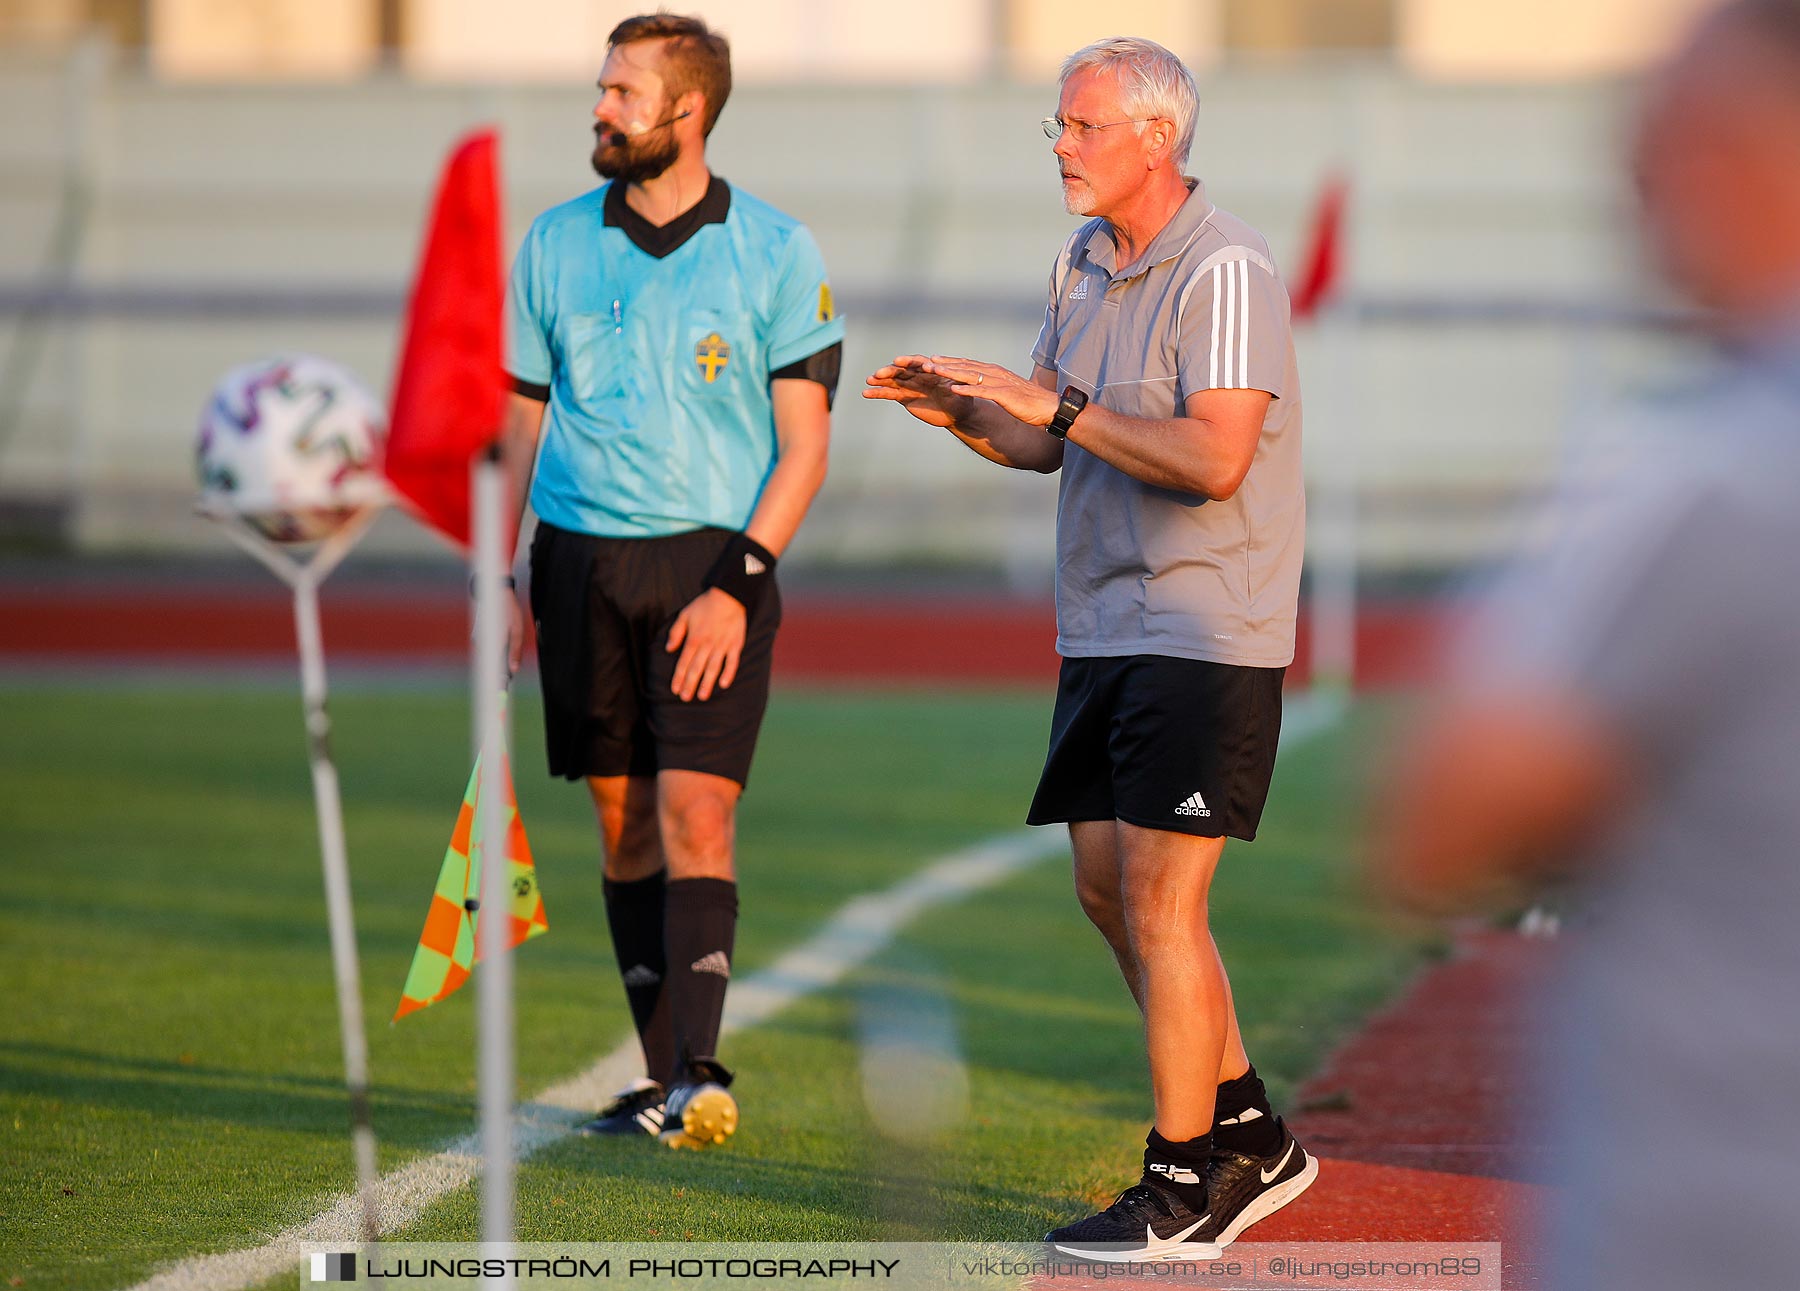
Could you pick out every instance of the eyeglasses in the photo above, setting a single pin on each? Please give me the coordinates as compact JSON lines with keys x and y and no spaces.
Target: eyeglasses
{"x":1082,"y":130}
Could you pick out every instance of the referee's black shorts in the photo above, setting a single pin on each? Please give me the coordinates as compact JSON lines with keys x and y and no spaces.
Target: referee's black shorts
{"x":1176,"y":744}
{"x":603,"y":608}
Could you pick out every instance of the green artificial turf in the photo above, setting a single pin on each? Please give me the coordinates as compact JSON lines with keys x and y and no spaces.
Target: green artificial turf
{"x":170,"y":1075}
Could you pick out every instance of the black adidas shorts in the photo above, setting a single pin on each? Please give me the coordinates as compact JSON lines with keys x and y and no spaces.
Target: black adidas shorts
{"x":1175,"y":744}
{"x":604,"y":607}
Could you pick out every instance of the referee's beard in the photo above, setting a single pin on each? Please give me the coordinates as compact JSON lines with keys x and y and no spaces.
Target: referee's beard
{"x":633,"y":160}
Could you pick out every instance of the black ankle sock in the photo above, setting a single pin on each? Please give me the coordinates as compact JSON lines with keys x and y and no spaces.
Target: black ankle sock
{"x":1245,"y":1103}
{"x":1179,"y":1167}
{"x":634,"y":913}
{"x":699,"y":927}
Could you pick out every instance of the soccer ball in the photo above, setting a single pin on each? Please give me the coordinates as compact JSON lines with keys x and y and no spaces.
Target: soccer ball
{"x":292,"y":445}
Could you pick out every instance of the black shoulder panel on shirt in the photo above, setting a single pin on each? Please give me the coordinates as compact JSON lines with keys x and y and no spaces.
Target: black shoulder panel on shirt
{"x":822,"y":366}
{"x":530,"y":389}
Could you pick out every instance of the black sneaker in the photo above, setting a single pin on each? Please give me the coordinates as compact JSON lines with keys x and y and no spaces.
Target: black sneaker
{"x":1240,"y":1189}
{"x":638,"y":1109}
{"x":700,"y":1112}
{"x":1145,"y":1222}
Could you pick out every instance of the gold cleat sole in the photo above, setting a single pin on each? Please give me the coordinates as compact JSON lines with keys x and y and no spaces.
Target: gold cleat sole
{"x":710,"y":1118}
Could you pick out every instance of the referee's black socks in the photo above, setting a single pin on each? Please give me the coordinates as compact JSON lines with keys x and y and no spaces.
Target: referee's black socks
{"x":634,"y":913}
{"x":700,"y":927}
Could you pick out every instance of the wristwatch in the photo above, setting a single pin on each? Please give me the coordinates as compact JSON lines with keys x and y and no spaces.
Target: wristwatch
{"x":1073,"y":401}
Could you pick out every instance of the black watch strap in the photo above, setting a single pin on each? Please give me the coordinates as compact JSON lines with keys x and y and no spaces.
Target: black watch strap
{"x":1073,"y":401}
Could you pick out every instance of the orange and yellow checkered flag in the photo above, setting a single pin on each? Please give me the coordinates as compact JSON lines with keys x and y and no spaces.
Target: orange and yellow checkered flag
{"x":446,"y":953}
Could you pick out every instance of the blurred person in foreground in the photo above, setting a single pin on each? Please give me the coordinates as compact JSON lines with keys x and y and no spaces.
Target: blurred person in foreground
{"x":674,"y":351}
{"x":1165,"y":391}
{"x":1627,"y":710}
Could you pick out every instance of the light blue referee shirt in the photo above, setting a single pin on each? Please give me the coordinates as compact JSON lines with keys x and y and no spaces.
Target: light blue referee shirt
{"x":654,"y":348}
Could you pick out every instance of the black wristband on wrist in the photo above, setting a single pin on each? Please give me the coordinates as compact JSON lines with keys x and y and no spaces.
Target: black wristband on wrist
{"x":507,"y":580}
{"x":743,"y":570}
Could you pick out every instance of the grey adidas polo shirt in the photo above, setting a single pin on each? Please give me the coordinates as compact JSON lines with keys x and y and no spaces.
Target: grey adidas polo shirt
{"x":1665,"y":606}
{"x":1148,"y":570}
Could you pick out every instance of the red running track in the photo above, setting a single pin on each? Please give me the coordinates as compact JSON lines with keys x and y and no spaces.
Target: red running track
{"x":961,"y":640}
{"x":1414,"y":1118}
{"x":1412,"y":1123}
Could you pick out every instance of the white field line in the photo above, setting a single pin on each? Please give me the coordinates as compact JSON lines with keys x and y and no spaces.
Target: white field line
{"x":1313,"y":713}
{"x":861,"y":928}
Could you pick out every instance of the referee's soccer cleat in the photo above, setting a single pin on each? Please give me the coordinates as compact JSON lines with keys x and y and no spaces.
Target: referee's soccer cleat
{"x":700,"y":1112}
{"x":637,"y":1109}
{"x":1241,"y":1190}
{"x":1145,"y":1222}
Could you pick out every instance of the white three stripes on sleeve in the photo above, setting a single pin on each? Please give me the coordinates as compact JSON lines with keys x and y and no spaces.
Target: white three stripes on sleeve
{"x":1230,"y":337}
{"x":1231,"y":341}
{"x":1218,"y":296}
{"x":1243,"y":268}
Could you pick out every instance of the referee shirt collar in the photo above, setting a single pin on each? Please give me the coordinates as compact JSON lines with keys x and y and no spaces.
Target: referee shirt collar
{"x":661,"y":240}
{"x":1174,"y":237}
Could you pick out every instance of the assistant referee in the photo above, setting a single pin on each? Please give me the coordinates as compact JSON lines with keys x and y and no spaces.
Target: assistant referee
{"x":1165,"y":391}
{"x":674,"y":352}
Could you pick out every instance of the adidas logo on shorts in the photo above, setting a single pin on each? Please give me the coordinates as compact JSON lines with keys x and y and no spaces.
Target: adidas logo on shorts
{"x":713,"y":963}
{"x":642,"y":975}
{"x":1195,"y":805}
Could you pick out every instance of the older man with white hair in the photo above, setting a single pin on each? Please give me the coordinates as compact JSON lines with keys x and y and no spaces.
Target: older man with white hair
{"x":1165,"y":391}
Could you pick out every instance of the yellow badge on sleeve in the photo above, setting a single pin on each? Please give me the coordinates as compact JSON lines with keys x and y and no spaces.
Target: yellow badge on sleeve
{"x":825,"y":302}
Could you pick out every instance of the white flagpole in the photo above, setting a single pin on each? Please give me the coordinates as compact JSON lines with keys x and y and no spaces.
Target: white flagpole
{"x":494,"y":990}
{"x":1335,"y":502}
{"x":305,"y":578}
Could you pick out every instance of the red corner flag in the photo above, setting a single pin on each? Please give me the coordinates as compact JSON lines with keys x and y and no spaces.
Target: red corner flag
{"x":448,"y":396}
{"x":1324,"y":254}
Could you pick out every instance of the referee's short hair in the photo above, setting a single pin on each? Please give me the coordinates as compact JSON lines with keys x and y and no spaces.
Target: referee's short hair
{"x":1152,"y":82}
{"x":695,"y":57}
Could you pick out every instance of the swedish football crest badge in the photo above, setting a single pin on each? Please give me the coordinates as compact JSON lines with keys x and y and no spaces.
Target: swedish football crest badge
{"x":712,"y":355}
{"x":824,"y":302}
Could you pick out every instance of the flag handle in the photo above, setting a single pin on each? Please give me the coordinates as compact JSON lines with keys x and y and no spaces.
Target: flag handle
{"x":304,"y":578}
{"x":493,"y":929}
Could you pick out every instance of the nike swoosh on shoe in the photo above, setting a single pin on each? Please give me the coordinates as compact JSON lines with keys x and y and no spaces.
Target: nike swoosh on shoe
{"x":1154,"y":1238}
{"x":1269,"y":1175}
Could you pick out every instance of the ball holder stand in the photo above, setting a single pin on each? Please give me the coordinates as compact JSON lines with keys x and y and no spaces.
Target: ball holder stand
{"x":304,"y":575}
